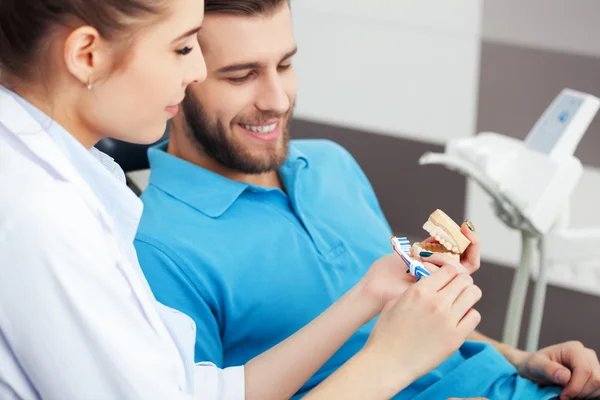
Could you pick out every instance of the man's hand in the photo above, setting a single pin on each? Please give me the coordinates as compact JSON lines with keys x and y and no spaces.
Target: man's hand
{"x":568,"y":364}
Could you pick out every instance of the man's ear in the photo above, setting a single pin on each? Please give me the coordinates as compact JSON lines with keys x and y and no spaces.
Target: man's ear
{"x":86,"y":54}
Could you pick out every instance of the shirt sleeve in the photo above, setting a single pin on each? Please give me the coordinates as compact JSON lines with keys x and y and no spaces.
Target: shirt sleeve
{"x":174,"y":287}
{"x":68,"y":314}
{"x":211,"y":382}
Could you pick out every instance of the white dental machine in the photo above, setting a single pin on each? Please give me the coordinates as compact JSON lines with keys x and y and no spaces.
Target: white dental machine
{"x":530,"y":183}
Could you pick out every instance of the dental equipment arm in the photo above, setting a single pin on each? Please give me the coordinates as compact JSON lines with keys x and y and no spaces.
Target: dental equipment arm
{"x":530,"y":183}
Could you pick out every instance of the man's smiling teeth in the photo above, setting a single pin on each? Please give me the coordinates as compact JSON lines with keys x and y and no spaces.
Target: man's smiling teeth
{"x":260,"y":128}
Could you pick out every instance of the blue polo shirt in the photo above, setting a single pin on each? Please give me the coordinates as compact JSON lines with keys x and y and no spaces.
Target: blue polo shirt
{"x":252,"y":265}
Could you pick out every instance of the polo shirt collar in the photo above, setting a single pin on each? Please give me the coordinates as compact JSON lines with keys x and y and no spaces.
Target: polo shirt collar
{"x":295,"y":156}
{"x":204,"y":190}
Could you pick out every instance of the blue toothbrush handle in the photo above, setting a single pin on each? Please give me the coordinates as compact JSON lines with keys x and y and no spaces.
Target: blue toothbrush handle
{"x":421,"y":272}
{"x":402,"y":247}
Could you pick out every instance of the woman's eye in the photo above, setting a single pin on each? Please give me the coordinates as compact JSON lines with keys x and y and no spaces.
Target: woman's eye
{"x":185,"y":51}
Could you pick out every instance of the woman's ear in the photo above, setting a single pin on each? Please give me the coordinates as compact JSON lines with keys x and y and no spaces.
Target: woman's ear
{"x":86,"y":55}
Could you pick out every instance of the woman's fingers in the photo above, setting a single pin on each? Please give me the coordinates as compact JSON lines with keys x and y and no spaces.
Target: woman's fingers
{"x":440,"y":259}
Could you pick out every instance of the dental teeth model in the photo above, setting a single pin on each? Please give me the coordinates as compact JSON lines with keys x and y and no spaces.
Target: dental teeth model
{"x":418,"y":247}
{"x":444,"y":230}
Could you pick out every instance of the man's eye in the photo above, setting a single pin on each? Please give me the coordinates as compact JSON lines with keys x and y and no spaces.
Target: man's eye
{"x":239,"y":79}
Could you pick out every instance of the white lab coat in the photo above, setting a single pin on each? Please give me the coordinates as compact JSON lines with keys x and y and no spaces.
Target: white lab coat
{"x":77,"y":318}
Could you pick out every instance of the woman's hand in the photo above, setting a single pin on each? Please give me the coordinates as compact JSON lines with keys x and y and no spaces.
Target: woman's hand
{"x":426,"y":324}
{"x":386,"y":280}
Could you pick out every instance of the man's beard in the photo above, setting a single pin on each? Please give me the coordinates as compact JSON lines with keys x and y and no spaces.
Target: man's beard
{"x":215,"y":141}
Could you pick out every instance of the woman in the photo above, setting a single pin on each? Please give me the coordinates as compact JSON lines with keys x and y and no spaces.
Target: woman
{"x":77,"y":319}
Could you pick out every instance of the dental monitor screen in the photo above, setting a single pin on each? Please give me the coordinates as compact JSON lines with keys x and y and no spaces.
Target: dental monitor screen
{"x":552,"y":127}
{"x":559,"y":130}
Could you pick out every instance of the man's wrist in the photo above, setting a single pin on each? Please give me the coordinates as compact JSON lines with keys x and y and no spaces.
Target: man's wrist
{"x":514,"y":355}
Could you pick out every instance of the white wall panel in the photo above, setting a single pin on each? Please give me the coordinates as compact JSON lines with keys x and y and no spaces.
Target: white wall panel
{"x":386,"y":72}
{"x":447,"y":17}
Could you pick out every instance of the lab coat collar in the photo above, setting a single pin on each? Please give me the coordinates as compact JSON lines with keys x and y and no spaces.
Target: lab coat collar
{"x":33,"y":136}
{"x":26,"y":130}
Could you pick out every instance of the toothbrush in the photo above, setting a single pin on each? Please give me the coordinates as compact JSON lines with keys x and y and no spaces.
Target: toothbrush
{"x":401,"y":246}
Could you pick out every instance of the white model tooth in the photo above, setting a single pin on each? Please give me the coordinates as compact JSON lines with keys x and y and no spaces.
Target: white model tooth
{"x":442,"y":235}
{"x":455,"y":249}
{"x":448,"y":246}
{"x":438,"y":238}
{"x":429,"y":227}
{"x":415,"y":250}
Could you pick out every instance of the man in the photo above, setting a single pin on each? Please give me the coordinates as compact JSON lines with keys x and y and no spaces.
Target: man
{"x":253,"y":236}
